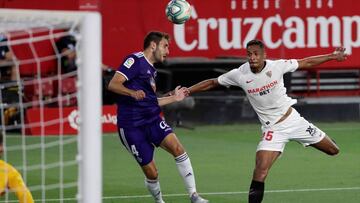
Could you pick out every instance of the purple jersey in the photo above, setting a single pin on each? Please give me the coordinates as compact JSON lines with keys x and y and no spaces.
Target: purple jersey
{"x":140,"y":75}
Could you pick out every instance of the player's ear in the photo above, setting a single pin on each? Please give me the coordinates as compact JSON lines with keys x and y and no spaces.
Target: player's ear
{"x":153,"y":45}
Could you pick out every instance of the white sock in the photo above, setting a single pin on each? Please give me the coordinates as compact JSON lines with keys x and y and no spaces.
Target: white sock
{"x":186,"y":171}
{"x":154,"y":188}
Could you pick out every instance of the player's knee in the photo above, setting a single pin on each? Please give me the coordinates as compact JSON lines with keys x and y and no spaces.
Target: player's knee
{"x":152,"y":175}
{"x":177,"y":150}
{"x":333,"y":151}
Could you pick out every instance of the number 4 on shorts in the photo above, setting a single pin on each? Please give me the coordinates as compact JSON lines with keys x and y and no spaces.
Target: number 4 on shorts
{"x":134,"y":151}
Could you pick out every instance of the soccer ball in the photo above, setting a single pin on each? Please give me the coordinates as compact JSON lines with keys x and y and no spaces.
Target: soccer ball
{"x":178,"y":11}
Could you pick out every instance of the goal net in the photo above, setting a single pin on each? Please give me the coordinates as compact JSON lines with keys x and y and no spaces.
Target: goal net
{"x":50,"y":83}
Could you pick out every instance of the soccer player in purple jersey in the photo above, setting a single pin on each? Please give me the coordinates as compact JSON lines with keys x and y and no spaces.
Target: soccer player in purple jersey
{"x":141,"y":128}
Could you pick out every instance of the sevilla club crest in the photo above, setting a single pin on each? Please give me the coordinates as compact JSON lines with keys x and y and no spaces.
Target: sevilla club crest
{"x":269,"y":74}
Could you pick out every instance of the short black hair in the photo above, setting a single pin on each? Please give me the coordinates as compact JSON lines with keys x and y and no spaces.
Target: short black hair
{"x":66,"y":42}
{"x":255,"y":42}
{"x":155,"y":36}
{"x":1,"y":138}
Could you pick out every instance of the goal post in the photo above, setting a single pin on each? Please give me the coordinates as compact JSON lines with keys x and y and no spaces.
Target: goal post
{"x":90,"y":111}
{"x":86,"y":27}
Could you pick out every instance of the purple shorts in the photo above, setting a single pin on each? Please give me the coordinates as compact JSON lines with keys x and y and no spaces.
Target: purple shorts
{"x":141,"y":141}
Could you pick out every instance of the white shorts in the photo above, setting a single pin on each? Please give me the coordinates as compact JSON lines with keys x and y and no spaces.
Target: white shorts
{"x":294,"y":127}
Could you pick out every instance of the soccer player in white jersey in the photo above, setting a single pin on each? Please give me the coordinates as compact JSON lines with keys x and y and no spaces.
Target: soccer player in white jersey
{"x":262,"y":80}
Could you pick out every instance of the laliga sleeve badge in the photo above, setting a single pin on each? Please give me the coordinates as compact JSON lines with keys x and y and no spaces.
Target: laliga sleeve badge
{"x":129,"y":62}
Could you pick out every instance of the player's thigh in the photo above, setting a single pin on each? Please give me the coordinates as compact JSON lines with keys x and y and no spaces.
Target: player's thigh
{"x":172,"y":145}
{"x":135,"y":141}
{"x":162,"y":135}
{"x":327,"y":145}
{"x":158,"y":131}
{"x":265,"y":159}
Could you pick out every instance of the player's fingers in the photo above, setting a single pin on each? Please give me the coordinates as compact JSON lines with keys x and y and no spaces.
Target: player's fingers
{"x":187,"y":90}
{"x":140,"y":94}
{"x":180,"y":97}
{"x":183,"y":89}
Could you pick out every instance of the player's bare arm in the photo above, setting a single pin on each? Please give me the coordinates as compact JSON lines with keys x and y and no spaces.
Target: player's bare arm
{"x":204,"y":85}
{"x":179,"y":94}
{"x":338,"y":55}
{"x":116,"y":85}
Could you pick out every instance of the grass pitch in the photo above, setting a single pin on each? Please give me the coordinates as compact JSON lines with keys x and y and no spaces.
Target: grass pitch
{"x":223,"y":158}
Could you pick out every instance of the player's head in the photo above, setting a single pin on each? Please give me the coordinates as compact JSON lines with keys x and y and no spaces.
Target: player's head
{"x":256,"y":54}
{"x":157,"y":44}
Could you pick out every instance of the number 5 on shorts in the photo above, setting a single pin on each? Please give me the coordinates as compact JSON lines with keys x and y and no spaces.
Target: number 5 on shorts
{"x":268,"y":135}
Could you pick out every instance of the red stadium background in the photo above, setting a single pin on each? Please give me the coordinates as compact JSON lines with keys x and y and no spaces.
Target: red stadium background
{"x":289,"y":28}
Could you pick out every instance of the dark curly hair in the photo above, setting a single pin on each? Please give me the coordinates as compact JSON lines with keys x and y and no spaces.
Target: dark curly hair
{"x":255,"y":42}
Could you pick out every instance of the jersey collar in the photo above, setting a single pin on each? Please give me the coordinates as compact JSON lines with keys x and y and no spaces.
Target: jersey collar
{"x":148,"y":60}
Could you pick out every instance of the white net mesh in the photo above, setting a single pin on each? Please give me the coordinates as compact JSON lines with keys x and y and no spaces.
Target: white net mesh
{"x":40,"y":94}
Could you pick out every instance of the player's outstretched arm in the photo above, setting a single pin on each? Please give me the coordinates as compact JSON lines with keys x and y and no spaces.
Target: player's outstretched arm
{"x":204,"y":85}
{"x":17,"y":185}
{"x":338,"y":55}
{"x":178,"y":95}
{"x":116,"y":86}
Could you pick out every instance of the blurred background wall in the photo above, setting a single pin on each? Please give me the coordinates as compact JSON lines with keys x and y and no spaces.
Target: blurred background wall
{"x":213,"y":42}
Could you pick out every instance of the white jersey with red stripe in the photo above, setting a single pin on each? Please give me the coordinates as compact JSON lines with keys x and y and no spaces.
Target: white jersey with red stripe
{"x":265,"y":90}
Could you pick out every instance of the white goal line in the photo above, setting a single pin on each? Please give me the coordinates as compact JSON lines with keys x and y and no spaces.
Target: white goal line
{"x":209,"y":193}
{"x":237,"y":192}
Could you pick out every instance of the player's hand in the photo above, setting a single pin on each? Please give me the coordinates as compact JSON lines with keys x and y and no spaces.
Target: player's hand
{"x":180,"y":93}
{"x":339,"y":54}
{"x":187,"y":91}
{"x":138,"y":95}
